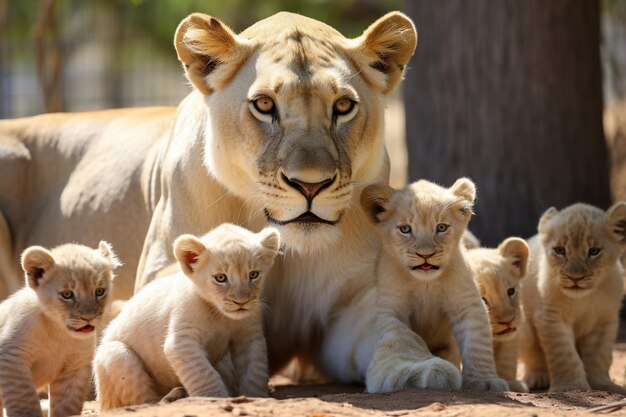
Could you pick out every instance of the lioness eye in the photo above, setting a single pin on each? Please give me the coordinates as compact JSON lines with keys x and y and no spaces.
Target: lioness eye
{"x":264,"y":104}
{"x":343,"y":106}
{"x":559,"y":250}
{"x":442,"y":227}
{"x":510,"y":292}
{"x":594,"y":251}
{"x":220,"y":278}
{"x":404,"y":229}
{"x":100,"y":292}
{"x":67,"y":294}
{"x":253,"y":274}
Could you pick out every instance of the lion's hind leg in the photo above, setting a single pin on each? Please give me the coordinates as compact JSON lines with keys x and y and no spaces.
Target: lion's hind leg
{"x":120,"y":377}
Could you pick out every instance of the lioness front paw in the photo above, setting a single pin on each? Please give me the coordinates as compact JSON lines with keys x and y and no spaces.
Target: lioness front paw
{"x":536,"y":380}
{"x":433,"y":373}
{"x":563,"y":386}
{"x":485,"y":384}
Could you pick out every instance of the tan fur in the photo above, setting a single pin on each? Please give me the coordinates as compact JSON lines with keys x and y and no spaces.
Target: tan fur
{"x":571,"y":299}
{"x":40,"y":344}
{"x":426,"y":287}
{"x":178,"y":329}
{"x":497,"y":273}
{"x":146,"y":176}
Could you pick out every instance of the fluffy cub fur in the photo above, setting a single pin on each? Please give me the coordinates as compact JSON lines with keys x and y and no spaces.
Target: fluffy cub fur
{"x":497,"y":273}
{"x":47,"y":329}
{"x":178,"y":328}
{"x":425,"y":286}
{"x":571,"y":298}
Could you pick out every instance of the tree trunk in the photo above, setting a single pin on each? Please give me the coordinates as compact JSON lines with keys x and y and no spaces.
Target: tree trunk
{"x":508,"y":93}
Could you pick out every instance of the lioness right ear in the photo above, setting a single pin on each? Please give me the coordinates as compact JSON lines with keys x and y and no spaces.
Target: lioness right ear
{"x":515,"y":251}
{"x":375,"y":200}
{"x":187,"y":250}
{"x":544,"y":221}
{"x":616,"y":221}
{"x":210,"y":52}
{"x":36,"y":261}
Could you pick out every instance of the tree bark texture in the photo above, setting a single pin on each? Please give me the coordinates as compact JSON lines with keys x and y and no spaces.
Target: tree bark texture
{"x":508,"y":93}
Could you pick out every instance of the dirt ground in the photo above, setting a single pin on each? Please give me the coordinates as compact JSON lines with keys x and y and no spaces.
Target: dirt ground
{"x":336,"y":400}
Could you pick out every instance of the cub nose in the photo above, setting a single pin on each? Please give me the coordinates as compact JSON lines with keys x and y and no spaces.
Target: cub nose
{"x":308,"y":189}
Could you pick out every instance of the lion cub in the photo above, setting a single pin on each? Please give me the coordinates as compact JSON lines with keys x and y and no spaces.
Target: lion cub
{"x":497,"y":273}
{"x":571,"y":298}
{"x":47,"y":329}
{"x":425,"y":284}
{"x":176,"y":329}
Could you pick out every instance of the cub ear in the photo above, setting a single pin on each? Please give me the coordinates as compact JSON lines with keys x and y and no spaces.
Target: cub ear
{"x":187,"y":250}
{"x":270,"y":241}
{"x":383,"y":50}
{"x":375,"y":199}
{"x":616,"y":221}
{"x":36,"y":261}
{"x":515,"y":251}
{"x":544,"y":221}
{"x":106,"y":250}
{"x":210,"y":52}
{"x":464,"y":187}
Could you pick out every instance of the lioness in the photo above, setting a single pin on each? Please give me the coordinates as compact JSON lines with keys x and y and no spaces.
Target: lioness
{"x":284,"y":126}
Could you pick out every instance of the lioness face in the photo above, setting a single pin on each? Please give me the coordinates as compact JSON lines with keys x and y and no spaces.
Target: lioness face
{"x":582,"y":244}
{"x":299,"y":123}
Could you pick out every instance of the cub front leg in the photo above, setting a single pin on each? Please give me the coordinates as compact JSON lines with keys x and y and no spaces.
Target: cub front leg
{"x":505,"y":354}
{"x":565,"y":368}
{"x":67,"y":393}
{"x":470,"y":326}
{"x":16,"y":388}
{"x":249,"y":355}
{"x":596,"y":351}
{"x":192,"y":367}
{"x":402,"y":360}
{"x":533,"y":358}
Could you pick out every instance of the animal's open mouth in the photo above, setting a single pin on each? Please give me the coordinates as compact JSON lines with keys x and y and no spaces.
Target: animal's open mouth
{"x":85,"y":329}
{"x":507,"y":331}
{"x":425,"y":267}
{"x":306,"y":217}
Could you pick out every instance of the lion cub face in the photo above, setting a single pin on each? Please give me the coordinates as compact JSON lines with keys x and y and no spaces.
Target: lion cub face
{"x":423,"y":223}
{"x":228,"y":266}
{"x":582,"y":244}
{"x":497,"y":273}
{"x":72,"y":283}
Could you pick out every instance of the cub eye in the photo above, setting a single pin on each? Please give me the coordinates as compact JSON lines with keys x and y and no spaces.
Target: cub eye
{"x":442,"y":227}
{"x":594,"y":252}
{"x":100,"y":292}
{"x":510,"y":292}
{"x":253,"y":275}
{"x":404,"y":229}
{"x":264,"y":104}
{"x":343,"y":106}
{"x":559,"y":250}
{"x":67,"y":295}
{"x":220,"y":278}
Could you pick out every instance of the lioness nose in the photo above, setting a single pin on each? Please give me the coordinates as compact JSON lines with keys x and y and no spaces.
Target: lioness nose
{"x":308,"y":189}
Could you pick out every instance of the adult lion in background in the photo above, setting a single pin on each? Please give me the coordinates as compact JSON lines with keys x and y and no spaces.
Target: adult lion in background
{"x":285,"y":126}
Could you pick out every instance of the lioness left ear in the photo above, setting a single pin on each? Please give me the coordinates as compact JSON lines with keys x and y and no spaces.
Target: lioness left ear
{"x":616,"y":221}
{"x":384,"y":49}
{"x":107,"y":251}
{"x":375,"y":201}
{"x":187,"y":250}
{"x":515,"y":251}
{"x":210,"y":52}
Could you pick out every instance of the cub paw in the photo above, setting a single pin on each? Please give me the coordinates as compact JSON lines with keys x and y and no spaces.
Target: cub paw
{"x":433,"y":373}
{"x":537,"y":380}
{"x":581,"y":385}
{"x":175,"y":394}
{"x":610,"y":387}
{"x":517,"y":386}
{"x":484,"y":384}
